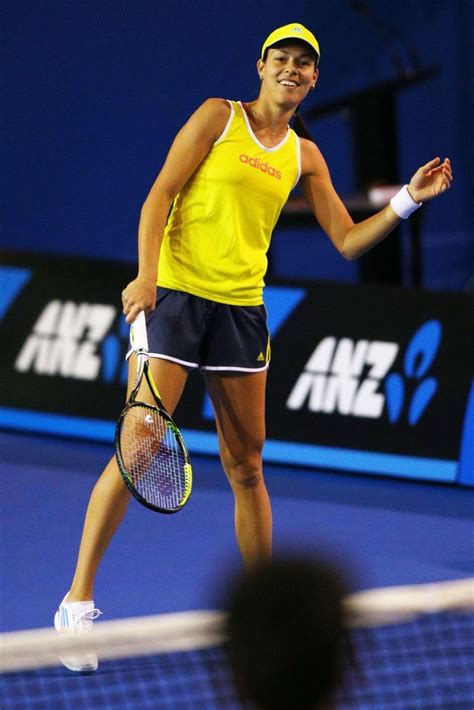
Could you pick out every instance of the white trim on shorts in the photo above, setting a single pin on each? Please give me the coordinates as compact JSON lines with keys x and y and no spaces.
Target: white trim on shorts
{"x":194,"y":365}
{"x":230,"y":368}
{"x":160,"y":356}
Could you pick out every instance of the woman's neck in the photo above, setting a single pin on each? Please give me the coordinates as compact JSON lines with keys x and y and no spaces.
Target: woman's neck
{"x":268,"y":121}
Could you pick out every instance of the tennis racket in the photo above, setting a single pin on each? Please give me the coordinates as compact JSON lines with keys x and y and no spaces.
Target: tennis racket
{"x":150,"y":450}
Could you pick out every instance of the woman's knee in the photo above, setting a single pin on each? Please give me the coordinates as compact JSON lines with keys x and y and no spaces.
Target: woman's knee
{"x":244,"y":471}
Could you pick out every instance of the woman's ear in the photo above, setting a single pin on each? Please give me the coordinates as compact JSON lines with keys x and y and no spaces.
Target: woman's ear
{"x":260,"y":68}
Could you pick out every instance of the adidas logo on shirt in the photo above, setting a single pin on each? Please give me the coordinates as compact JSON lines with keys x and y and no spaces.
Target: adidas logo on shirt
{"x":256,"y":163}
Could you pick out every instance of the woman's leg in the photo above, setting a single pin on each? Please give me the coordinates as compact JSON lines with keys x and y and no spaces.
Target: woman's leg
{"x":239,"y":404}
{"x":110,"y":496}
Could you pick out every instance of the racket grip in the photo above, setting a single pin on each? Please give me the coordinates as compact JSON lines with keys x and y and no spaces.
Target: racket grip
{"x":138,"y":335}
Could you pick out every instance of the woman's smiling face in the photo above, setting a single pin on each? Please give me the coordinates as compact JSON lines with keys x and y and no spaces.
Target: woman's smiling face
{"x":289,"y":71}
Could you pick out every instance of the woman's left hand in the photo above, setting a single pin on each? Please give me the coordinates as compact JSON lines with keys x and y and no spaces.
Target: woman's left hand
{"x":431,"y":180}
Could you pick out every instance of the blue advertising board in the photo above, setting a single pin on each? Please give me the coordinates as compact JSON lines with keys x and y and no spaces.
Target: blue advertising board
{"x":370,"y":379}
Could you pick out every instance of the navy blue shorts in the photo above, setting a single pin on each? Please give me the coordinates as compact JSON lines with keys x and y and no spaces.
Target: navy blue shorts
{"x":198,"y":333}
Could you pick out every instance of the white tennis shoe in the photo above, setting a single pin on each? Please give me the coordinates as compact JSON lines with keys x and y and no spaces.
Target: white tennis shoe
{"x":77,"y":618}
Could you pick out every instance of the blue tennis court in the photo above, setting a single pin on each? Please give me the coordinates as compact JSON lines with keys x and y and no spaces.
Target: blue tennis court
{"x":382,"y":531}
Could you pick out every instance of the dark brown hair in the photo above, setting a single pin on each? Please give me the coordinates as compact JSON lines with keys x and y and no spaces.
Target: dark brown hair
{"x":300,"y":127}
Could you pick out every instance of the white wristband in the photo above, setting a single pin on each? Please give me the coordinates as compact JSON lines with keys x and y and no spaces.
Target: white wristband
{"x":403,"y":203}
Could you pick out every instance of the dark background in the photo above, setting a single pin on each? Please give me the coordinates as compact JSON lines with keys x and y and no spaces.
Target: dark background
{"x":95,"y":92}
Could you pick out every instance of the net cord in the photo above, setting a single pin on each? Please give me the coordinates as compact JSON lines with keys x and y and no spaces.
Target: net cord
{"x":136,"y":636}
{"x":393,"y":605}
{"x":193,"y":630}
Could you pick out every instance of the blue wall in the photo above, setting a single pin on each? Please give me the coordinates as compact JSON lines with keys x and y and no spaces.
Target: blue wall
{"x":96,"y":91}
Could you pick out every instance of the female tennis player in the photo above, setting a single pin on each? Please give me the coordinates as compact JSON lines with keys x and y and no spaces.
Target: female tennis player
{"x":226,"y":178}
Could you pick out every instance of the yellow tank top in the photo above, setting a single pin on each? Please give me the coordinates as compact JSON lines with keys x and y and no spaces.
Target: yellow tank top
{"x":220,"y":226}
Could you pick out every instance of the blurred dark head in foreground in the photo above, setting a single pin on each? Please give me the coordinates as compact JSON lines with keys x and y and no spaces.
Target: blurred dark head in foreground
{"x":286,"y":634}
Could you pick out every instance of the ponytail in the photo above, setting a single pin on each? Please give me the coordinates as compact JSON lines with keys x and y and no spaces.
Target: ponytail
{"x":300,"y":127}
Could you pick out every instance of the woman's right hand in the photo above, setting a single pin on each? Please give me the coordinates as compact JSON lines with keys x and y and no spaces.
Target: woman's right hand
{"x":138,"y":295}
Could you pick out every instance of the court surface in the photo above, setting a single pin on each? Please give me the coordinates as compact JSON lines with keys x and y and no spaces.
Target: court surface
{"x":381,"y":531}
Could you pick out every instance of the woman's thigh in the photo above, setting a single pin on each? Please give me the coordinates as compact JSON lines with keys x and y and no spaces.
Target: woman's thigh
{"x":239,"y":404}
{"x":169,"y":378}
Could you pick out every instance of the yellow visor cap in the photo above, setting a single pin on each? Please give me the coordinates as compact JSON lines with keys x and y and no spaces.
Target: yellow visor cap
{"x":292,"y":31}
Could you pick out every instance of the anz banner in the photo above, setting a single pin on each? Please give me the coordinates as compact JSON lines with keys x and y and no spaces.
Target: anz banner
{"x":371,"y":379}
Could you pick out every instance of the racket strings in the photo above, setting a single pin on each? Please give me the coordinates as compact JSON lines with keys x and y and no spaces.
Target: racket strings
{"x":153,"y":457}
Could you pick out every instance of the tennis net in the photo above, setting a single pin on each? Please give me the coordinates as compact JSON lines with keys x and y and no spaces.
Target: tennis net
{"x":411,"y":647}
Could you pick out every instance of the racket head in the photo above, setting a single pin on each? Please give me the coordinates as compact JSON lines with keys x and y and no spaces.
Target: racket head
{"x":152,"y":457}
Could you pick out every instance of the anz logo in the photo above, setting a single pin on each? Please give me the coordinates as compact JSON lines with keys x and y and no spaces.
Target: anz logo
{"x":73,"y":340}
{"x":114,"y":348}
{"x":419,"y":356}
{"x":356,"y":378}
